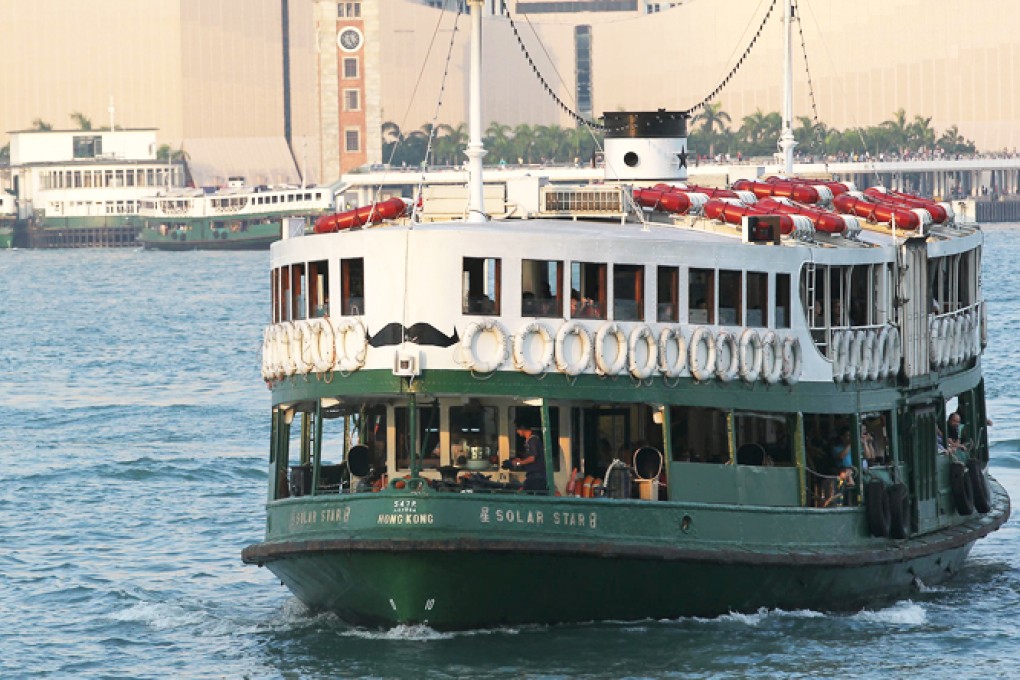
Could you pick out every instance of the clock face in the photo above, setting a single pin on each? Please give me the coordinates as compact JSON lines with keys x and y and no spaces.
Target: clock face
{"x":349,"y":39}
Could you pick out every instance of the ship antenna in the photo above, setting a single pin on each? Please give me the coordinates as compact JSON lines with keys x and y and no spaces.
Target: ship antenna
{"x":786,"y":140}
{"x":475,"y":151}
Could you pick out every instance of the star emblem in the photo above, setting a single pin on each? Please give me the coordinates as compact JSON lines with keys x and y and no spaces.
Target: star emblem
{"x":682,"y":159}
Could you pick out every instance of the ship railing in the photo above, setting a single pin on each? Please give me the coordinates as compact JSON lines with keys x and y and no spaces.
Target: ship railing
{"x":826,"y":337}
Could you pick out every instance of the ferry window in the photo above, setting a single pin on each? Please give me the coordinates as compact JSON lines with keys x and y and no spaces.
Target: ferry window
{"x":588,"y":290}
{"x":350,"y":67}
{"x":352,"y":140}
{"x":428,"y":436}
{"x":762,"y":439}
{"x":541,"y":288}
{"x":274,"y":288}
{"x":318,"y":293}
{"x":351,"y":100}
{"x":668,"y":294}
{"x":782,"y":300}
{"x":699,"y":435}
{"x":352,"y":286}
{"x":730,"y":284}
{"x":474,"y":437}
{"x":837,"y":297}
{"x":481,"y":285}
{"x":701,"y":295}
{"x":860,"y":295}
{"x":757,"y":299}
{"x":628,"y":292}
{"x":285,"y":311}
{"x":87,"y":146}
{"x":298,"y":291}
{"x":531,"y":416}
{"x":875,"y":445}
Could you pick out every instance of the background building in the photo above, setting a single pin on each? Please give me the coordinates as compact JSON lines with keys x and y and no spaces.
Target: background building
{"x":285,"y":90}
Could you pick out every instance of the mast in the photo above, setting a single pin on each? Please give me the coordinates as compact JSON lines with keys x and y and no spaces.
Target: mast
{"x":786,"y":140}
{"x":475,"y":151}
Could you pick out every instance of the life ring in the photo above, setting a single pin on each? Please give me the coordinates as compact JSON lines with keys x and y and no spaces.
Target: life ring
{"x":672,"y":369}
{"x":945,"y":342}
{"x":701,"y":370}
{"x":840,"y":355}
{"x":970,"y":335}
{"x":979,"y":486}
{"x":642,"y":335}
{"x":522,"y":360}
{"x":475,"y":330}
{"x":899,"y":511}
{"x":268,"y":361}
{"x":320,"y":341}
{"x":893,"y":350}
{"x":933,"y":342}
{"x":793,"y":360}
{"x":584,"y":337}
{"x":285,"y":332}
{"x":963,"y":488}
{"x":727,"y":357}
{"x":876,"y":508}
{"x":864,"y":370}
{"x":853,"y":359}
{"x":750,"y":369}
{"x":959,"y":339}
{"x":771,"y":358}
{"x":300,"y":329}
{"x":603,"y":367}
{"x":351,"y":343}
{"x":984,"y":326}
{"x":878,"y":368}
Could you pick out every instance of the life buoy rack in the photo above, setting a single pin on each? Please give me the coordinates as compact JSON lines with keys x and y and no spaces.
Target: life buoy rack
{"x":475,"y":329}
{"x":750,"y":342}
{"x":320,"y":341}
{"x":701,"y":370}
{"x":840,"y":355}
{"x":602,"y":366}
{"x":963,"y":488}
{"x":793,"y":360}
{"x":876,"y":508}
{"x":351,"y":341}
{"x":298,"y":331}
{"x":771,"y":358}
{"x":642,"y":335}
{"x":522,"y":358}
{"x":675,"y":336}
{"x":727,"y":356}
{"x":565,"y":364}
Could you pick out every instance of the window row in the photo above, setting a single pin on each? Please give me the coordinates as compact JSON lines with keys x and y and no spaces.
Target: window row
{"x":112,"y":178}
{"x":301,"y":291}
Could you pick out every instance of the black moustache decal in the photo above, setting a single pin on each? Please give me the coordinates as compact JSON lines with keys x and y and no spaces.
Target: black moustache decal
{"x":419,"y":333}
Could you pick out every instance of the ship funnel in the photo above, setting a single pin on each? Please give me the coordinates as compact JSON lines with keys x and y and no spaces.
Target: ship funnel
{"x":646,"y":145}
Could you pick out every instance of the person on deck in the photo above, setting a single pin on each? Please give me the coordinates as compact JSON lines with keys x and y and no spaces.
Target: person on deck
{"x":532,"y":462}
{"x":841,"y":450}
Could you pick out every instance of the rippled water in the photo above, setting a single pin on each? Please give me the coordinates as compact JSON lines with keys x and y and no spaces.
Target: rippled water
{"x":133,"y":441}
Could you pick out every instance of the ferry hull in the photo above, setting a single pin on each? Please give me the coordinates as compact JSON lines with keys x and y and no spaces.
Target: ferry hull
{"x":453,"y":579}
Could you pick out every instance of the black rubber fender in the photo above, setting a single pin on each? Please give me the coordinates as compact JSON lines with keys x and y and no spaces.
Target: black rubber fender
{"x":979,"y":486}
{"x":899,"y":511}
{"x":963,"y":489}
{"x":876,"y":506}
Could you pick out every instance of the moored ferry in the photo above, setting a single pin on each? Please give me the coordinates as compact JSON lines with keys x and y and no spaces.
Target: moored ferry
{"x":625,"y":400}
{"x":236,"y":217}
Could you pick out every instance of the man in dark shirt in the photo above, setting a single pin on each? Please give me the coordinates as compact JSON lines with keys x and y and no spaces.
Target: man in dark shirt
{"x":532,"y":462}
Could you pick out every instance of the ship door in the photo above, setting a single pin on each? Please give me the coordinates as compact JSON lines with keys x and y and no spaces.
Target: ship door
{"x":604,"y":434}
{"x":913,"y":305}
{"x":921,"y":454}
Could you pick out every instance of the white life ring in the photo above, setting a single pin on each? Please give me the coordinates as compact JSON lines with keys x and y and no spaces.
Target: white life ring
{"x":853,"y":359}
{"x":879,"y":366}
{"x":268,"y":361}
{"x":281,"y":354}
{"x":603,"y":367}
{"x":933,"y":342}
{"x":893,"y":350}
{"x":750,"y":368}
{"x":945,"y":342}
{"x":840,"y":355}
{"x":701,"y":370}
{"x":642,"y":335}
{"x":984,"y":326}
{"x":299,"y":330}
{"x":793,"y":360}
{"x":867,"y":365}
{"x":523,"y":359}
{"x":973,"y":341}
{"x":959,"y":339}
{"x":727,"y":356}
{"x":771,"y":358}
{"x":563,"y":363}
{"x":672,"y":369}
{"x":320,"y":344}
{"x":351,"y":341}
{"x":474,"y":331}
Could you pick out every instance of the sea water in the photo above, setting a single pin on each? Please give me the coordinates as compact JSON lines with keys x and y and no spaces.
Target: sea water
{"x":134,"y":430}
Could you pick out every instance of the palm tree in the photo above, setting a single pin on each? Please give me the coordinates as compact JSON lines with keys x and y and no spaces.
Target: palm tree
{"x":41,"y":125}
{"x":810,"y":135}
{"x":952,"y":141}
{"x":5,"y":153}
{"x":497,"y":140}
{"x":760,"y":131}
{"x":920,"y":133}
{"x":450,"y":143}
{"x":524,"y":140}
{"x":81,"y":120}
{"x":897,"y":129}
{"x":392,"y":139}
{"x":713,"y":120}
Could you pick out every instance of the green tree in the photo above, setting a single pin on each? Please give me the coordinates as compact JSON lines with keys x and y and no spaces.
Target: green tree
{"x":81,"y":120}
{"x":713,"y":122}
{"x":498,"y":141}
{"x":759,"y":132}
{"x":41,"y":125}
{"x":897,"y":129}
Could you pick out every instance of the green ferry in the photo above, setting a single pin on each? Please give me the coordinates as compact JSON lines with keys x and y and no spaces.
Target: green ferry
{"x":617,"y":404}
{"x":237,"y":217}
